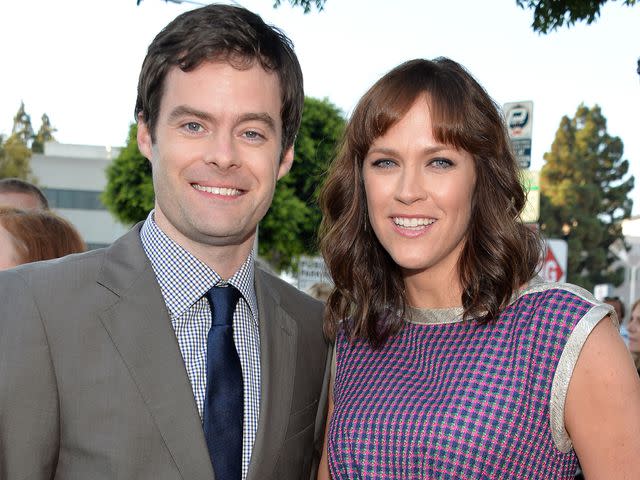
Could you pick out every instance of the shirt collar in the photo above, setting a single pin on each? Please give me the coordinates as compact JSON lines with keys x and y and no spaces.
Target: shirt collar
{"x":184,"y":279}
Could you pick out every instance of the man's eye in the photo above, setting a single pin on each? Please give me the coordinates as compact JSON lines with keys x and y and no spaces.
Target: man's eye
{"x":253,"y":135}
{"x":193,"y":127}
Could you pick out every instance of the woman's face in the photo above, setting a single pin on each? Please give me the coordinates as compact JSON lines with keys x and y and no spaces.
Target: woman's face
{"x":419,"y":194}
{"x":634,"y":330}
{"x":8,"y":256}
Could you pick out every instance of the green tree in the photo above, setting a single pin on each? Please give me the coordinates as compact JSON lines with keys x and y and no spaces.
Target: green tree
{"x":584,"y":190}
{"x":305,"y":4}
{"x":15,"y":155}
{"x":45,"y":134}
{"x":22,"y":128}
{"x":15,"y":159}
{"x":548,"y":15}
{"x":129,"y":192}
{"x":296,"y":194}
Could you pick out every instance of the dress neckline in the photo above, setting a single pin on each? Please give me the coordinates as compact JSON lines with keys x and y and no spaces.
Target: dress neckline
{"x":440,"y":316}
{"x":433,"y":316}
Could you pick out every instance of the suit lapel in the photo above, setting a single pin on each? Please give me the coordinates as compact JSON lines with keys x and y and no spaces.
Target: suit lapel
{"x":278,"y":340}
{"x":141,"y":330}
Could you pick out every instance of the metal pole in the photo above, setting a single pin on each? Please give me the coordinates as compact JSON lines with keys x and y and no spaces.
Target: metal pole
{"x":632,"y":285}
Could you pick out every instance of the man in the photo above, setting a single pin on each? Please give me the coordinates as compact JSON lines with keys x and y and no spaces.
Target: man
{"x":20,"y":194}
{"x":169,"y":355}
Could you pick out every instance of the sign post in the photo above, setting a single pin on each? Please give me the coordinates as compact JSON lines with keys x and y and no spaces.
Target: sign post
{"x":311,"y":270}
{"x":554,"y":264}
{"x":530,"y":180}
{"x":519,"y":118}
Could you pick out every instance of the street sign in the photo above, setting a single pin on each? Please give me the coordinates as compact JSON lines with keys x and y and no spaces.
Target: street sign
{"x":530,"y":180}
{"x":554,"y":265}
{"x":602,"y":291}
{"x":519,"y":119}
{"x":311,"y":270}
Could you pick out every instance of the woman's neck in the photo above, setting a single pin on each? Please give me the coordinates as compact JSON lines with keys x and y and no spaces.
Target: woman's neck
{"x":426,"y":289}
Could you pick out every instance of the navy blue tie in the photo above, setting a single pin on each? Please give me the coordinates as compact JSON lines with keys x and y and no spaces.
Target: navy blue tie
{"x":224,"y":401}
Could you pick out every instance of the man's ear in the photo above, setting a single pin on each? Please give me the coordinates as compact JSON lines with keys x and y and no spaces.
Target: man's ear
{"x":285,"y":162}
{"x":145,"y":145}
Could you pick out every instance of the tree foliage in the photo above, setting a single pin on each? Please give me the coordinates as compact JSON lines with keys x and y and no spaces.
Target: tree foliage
{"x":548,"y":15}
{"x":129,"y":192}
{"x":15,"y":155}
{"x":289,"y":228}
{"x":15,"y":159}
{"x":305,"y":4}
{"x":295,"y":197}
{"x":45,"y":134}
{"x":584,"y":195}
{"x":22,"y":129}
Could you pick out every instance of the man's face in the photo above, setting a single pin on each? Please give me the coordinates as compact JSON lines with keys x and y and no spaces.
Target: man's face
{"x":23,"y":201}
{"x":216,"y":155}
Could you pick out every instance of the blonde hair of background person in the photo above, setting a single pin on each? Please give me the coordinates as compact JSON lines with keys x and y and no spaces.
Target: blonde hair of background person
{"x":32,"y":235}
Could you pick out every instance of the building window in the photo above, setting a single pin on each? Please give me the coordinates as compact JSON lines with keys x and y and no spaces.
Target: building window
{"x":77,"y":199}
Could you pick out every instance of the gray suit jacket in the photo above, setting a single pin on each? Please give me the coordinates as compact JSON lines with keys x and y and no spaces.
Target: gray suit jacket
{"x":93,"y":385}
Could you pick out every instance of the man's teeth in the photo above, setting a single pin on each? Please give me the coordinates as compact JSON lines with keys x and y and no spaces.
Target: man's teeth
{"x":230,"y":192}
{"x":412,"y":222}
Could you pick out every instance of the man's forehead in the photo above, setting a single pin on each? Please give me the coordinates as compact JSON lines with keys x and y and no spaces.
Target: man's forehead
{"x":254,"y":94}
{"x":21,"y":200}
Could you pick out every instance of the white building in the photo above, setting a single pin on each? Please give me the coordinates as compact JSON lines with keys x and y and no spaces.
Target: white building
{"x":73,"y":178}
{"x":629,"y":290}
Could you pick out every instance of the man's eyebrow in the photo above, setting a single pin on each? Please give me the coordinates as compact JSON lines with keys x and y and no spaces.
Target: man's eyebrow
{"x":260,"y":117}
{"x":186,"y":111}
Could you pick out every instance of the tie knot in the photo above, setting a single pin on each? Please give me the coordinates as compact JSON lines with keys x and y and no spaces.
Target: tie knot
{"x":222,"y":301}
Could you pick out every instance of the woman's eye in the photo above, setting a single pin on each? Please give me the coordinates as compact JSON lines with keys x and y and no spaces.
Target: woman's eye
{"x":383,"y":163}
{"x":441,"y":162}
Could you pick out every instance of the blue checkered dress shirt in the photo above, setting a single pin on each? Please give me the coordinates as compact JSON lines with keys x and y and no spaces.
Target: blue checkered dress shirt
{"x":184,"y":280}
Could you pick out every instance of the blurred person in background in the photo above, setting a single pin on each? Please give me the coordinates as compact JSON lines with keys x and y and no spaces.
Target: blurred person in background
{"x":618,"y":306}
{"x":32,"y":235}
{"x":320,"y":290}
{"x":634,"y":333}
{"x":21,"y":194}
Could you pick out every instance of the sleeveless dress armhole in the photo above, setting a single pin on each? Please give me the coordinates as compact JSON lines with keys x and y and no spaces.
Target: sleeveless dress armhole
{"x":332,"y":379}
{"x":564,"y":371}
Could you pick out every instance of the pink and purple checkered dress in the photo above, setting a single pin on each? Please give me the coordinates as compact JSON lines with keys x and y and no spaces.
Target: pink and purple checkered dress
{"x":450,"y":399}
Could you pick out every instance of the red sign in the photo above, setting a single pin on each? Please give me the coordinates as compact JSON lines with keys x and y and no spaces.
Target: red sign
{"x":551,"y":270}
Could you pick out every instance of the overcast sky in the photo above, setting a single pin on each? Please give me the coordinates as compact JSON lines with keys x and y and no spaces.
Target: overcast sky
{"x":78,"y":60}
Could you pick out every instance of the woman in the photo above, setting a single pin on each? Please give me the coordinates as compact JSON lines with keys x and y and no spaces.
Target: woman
{"x":454,"y":360}
{"x":30,"y":236}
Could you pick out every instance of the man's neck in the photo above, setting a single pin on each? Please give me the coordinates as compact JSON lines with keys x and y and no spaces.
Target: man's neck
{"x":224,"y":259}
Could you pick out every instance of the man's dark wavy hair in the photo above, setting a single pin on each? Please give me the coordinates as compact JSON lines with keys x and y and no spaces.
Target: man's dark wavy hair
{"x":500,"y":253}
{"x":221,"y":33}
